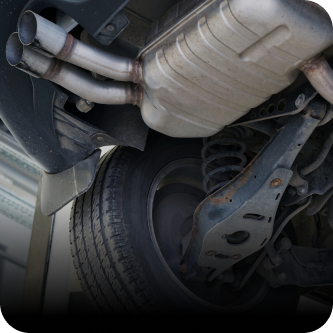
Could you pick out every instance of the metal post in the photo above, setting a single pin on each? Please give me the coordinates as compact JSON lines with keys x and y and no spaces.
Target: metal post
{"x":35,"y":277}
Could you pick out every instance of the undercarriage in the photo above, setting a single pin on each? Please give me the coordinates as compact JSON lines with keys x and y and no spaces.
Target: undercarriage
{"x":218,"y":195}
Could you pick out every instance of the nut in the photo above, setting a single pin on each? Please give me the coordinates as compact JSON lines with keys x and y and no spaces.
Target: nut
{"x":276,"y":182}
{"x":83,"y":105}
{"x":99,"y":138}
{"x":300,"y":101}
{"x":301,"y":190}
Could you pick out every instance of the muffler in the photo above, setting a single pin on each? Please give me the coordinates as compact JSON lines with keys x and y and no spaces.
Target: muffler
{"x":205,"y":65}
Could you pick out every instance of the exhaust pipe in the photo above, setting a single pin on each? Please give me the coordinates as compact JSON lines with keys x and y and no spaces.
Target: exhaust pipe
{"x":70,"y":77}
{"x":320,"y":74}
{"x":53,"y":41}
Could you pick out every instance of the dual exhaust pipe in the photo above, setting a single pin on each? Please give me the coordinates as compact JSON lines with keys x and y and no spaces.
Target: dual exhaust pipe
{"x":45,"y":50}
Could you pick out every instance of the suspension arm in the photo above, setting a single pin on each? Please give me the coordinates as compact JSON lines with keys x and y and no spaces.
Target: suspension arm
{"x":238,"y":219}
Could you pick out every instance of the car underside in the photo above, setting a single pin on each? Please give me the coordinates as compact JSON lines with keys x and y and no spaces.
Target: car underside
{"x":218,"y":194}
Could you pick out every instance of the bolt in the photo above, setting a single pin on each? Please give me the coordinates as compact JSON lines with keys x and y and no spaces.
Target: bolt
{"x":83,"y":105}
{"x":100,"y":138}
{"x":210,"y":253}
{"x":286,"y":243}
{"x":292,"y":191}
{"x":282,"y":277}
{"x":235,"y":256}
{"x":300,"y":101}
{"x":301,"y":190}
{"x":276,"y":182}
{"x":110,"y":27}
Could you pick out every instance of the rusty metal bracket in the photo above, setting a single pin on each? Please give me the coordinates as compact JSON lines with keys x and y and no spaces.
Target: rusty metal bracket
{"x":238,"y":219}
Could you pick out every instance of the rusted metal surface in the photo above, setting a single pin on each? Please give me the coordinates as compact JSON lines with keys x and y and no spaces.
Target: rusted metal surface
{"x":136,"y":72}
{"x":249,"y":202}
{"x":312,"y":64}
{"x":135,"y":93}
{"x":276,"y":182}
{"x":54,"y":70}
{"x":68,"y":48}
{"x":320,"y":74}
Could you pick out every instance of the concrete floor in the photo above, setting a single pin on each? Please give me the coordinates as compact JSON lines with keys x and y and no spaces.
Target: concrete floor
{"x":309,"y":306}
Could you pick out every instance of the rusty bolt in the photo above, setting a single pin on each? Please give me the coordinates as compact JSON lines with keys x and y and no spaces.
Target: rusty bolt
{"x":235,"y":256}
{"x":99,"y":138}
{"x":210,"y":253}
{"x":276,"y":182}
{"x":282,"y":277}
{"x":300,"y":101}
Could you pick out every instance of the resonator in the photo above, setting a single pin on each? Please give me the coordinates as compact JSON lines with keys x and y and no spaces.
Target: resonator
{"x":205,"y":64}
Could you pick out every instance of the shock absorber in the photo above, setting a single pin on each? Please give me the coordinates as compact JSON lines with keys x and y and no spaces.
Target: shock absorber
{"x":223,"y":157}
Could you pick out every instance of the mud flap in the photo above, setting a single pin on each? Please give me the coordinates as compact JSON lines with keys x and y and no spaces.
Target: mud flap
{"x":59,"y":189}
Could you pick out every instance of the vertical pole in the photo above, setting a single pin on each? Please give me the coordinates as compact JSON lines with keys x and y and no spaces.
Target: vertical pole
{"x":35,"y":278}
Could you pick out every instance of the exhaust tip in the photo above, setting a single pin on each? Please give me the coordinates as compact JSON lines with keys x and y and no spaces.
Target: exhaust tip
{"x":14,"y":49}
{"x":27,"y":27}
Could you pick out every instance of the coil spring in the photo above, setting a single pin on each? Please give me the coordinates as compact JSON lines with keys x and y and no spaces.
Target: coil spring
{"x":212,"y":167}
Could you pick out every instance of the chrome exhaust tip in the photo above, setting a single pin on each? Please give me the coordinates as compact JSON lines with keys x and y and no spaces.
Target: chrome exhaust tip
{"x":27,"y":28}
{"x":51,"y":40}
{"x":14,"y":50}
{"x":26,"y":59}
{"x":40,"y":34}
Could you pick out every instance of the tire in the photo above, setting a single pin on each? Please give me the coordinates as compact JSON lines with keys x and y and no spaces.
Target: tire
{"x":120,"y":260}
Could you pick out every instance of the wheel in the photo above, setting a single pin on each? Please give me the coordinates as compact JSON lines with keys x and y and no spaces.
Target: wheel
{"x":127,"y":235}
